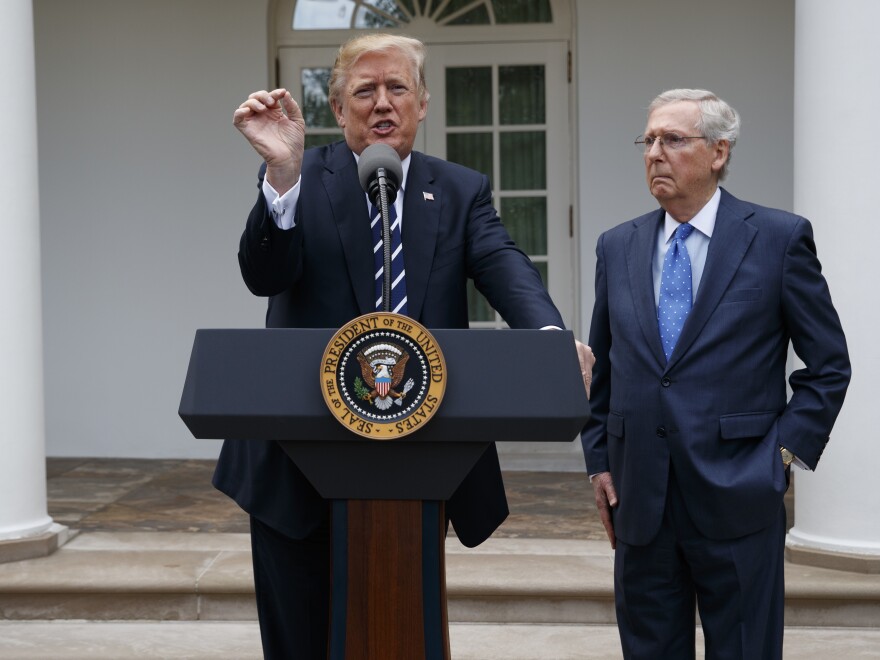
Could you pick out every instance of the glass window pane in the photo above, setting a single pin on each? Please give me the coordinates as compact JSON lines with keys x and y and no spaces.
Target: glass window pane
{"x":454,"y":6}
{"x":521,"y":94}
{"x":323,"y":138}
{"x":477,"y":16}
{"x":526,"y":220}
{"x":472,"y":150}
{"x":313,"y":101}
{"x":517,"y":11}
{"x":479,"y":308}
{"x":390,"y":7}
{"x":542,"y":268}
{"x":469,"y":96}
{"x":366,"y":19}
{"x":322,"y":15}
{"x":523,"y":161}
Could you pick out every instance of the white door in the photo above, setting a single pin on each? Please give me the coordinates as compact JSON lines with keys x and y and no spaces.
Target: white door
{"x":503,"y":109}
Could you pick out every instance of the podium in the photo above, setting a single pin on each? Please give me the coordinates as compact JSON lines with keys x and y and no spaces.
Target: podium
{"x":388,"y":597}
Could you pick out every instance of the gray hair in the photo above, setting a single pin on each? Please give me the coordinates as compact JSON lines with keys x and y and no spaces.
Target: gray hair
{"x":718,"y":121}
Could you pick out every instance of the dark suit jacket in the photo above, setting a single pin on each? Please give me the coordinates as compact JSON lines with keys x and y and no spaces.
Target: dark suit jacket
{"x":320,"y":274}
{"x":718,"y":411}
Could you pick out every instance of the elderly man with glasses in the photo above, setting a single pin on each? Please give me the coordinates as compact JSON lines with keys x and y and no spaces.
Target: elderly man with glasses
{"x":693,"y":432}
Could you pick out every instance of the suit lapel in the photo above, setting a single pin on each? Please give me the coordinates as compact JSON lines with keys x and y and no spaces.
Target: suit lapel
{"x":352,"y":222}
{"x":639,"y":262}
{"x":727,"y":248}
{"x":422,"y":202}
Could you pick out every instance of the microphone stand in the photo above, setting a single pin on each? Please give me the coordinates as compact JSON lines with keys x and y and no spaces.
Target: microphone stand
{"x":386,"y":240}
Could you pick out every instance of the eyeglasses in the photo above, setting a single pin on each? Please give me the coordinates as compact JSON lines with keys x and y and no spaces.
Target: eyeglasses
{"x":673,"y":141}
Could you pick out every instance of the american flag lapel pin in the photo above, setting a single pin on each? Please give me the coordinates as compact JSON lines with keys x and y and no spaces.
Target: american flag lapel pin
{"x":429,"y":197}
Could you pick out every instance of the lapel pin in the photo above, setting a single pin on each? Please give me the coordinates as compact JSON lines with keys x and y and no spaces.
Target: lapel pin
{"x":429,"y":197}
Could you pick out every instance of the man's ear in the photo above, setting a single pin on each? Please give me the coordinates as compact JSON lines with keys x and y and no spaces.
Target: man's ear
{"x":337,"y":112}
{"x":722,"y":153}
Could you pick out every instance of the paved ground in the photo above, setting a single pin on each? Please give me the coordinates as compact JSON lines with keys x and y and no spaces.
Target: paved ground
{"x":177,"y":496}
{"x":240,"y":641}
{"x":115,"y":496}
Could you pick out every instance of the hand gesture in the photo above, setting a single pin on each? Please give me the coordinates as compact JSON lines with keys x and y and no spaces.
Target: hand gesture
{"x":273,"y":123}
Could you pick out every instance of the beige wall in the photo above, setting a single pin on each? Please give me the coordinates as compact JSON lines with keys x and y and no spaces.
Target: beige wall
{"x":144,"y":185}
{"x":628,"y":52}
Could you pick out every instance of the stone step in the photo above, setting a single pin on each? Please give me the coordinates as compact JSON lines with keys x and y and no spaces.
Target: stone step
{"x":238,"y":640}
{"x":141,"y":576}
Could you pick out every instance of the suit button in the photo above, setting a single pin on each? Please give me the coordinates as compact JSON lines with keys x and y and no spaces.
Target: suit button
{"x":666,"y":382}
{"x":661,"y":431}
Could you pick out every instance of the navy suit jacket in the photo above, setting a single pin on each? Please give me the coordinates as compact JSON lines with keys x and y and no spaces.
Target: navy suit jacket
{"x":718,"y":411}
{"x":320,"y":275}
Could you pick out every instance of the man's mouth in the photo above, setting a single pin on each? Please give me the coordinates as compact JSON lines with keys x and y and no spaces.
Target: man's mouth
{"x":383,"y":126}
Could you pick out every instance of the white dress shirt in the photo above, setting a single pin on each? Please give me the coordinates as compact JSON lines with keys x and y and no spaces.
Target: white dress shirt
{"x":697,"y":243}
{"x":283,"y":207}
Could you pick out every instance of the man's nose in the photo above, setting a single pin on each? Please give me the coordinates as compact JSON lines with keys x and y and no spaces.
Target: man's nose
{"x":654,"y":151}
{"x":383,"y":98}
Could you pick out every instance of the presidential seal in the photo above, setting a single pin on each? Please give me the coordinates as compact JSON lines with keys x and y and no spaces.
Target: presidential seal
{"x":383,"y":375}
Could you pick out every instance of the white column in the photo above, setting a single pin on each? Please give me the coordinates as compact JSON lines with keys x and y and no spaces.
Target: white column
{"x":23,"y":512}
{"x":836,"y":101}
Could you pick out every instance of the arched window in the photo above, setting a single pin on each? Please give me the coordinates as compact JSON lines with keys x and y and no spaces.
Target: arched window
{"x":387,"y":14}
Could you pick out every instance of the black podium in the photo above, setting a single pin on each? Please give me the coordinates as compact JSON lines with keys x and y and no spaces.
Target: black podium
{"x":389,"y":592}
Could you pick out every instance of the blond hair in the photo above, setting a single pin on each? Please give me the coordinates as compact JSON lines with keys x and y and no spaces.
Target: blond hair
{"x":353,"y":49}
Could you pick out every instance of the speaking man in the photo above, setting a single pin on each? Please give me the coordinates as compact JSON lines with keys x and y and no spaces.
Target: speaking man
{"x":308,"y":245}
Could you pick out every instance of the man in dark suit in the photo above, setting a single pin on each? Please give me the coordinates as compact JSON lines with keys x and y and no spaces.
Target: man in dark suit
{"x":308,"y":245}
{"x":692,"y":432}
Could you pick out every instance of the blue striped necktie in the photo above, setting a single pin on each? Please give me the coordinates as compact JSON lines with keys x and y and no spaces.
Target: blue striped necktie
{"x":398,"y":281}
{"x":676,"y":289}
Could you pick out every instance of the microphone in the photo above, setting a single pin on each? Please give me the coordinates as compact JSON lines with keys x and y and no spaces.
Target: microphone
{"x":379,"y":165}
{"x":380,"y":173}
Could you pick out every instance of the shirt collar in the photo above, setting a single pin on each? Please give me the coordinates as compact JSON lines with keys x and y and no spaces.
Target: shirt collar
{"x":704,"y":221}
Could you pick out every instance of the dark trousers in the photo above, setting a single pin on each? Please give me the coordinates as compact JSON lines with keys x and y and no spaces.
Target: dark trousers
{"x":737,"y":585}
{"x":292,"y":581}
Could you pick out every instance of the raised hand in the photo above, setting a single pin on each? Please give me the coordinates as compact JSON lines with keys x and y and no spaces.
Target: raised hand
{"x":273,"y":124}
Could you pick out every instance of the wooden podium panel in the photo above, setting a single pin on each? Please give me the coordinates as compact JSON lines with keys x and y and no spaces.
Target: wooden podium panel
{"x":388,"y":599}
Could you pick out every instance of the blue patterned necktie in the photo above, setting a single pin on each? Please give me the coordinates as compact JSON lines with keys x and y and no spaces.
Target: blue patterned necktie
{"x":676,"y":289}
{"x":398,"y":283}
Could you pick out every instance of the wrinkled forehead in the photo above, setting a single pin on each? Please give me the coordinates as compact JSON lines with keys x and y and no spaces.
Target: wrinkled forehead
{"x":677,"y":117}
